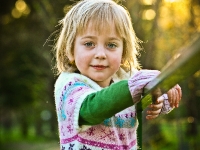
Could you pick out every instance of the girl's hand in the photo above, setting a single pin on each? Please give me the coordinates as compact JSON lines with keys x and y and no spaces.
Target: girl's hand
{"x":174,"y":96}
{"x":155,"y":109}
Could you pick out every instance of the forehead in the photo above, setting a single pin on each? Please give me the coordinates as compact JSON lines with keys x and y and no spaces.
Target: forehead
{"x":94,"y":27}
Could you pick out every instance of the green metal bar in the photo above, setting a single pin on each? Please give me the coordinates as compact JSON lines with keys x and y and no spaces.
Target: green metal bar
{"x":184,"y":65}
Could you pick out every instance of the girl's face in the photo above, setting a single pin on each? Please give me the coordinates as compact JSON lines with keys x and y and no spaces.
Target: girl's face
{"x":98,"y":55}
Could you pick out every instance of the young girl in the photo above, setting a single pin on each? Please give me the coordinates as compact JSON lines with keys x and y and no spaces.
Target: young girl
{"x":99,"y":85}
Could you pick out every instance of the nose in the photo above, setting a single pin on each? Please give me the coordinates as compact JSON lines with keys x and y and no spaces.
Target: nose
{"x":100,"y":53}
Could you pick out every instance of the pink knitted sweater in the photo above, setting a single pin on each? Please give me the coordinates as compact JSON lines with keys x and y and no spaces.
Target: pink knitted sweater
{"x":115,"y":133}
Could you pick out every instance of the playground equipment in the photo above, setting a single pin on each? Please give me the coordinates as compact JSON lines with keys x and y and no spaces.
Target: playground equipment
{"x":183,"y":65}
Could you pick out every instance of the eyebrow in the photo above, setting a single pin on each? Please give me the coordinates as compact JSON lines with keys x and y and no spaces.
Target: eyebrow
{"x":94,"y":37}
{"x":114,"y":38}
{"x":89,"y":37}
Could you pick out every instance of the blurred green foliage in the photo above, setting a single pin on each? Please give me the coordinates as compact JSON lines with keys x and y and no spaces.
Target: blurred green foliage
{"x":27,"y":111}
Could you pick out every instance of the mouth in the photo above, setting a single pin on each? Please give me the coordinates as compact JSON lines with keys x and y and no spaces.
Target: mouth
{"x":99,"y":67}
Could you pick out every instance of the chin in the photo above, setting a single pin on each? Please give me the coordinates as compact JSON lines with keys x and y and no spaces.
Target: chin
{"x":97,"y":79}
{"x":101,"y":80}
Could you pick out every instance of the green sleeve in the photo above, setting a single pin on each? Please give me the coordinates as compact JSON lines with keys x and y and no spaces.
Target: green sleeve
{"x":105,"y":103}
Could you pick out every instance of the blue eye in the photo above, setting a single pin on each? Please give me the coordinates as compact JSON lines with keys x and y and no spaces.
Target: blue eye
{"x":89,"y":44}
{"x":111,"y":45}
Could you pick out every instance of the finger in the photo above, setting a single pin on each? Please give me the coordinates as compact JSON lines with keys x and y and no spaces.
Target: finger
{"x":177,"y":95}
{"x":159,"y":100}
{"x":178,"y":88}
{"x":158,"y":104}
{"x":177,"y":98}
{"x":169,"y":94}
{"x":172,"y":98}
{"x":180,"y":93}
{"x":152,"y":116}
{"x":154,"y":111}
{"x":149,"y":117}
{"x":155,"y":107}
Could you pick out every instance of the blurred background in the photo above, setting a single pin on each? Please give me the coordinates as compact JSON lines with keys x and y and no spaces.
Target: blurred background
{"x":27,"y":31}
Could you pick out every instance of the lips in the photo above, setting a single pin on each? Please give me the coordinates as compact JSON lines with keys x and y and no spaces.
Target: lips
{"x":99,"y":67}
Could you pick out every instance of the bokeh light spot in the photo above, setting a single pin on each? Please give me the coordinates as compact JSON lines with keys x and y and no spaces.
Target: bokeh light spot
{"x":15,"y":13}
{"x":147,"y":2}
{"x":149,"y":14}
{"x":190,"y":119}
{"x":20,"y":5}
{"x":45,"y":115}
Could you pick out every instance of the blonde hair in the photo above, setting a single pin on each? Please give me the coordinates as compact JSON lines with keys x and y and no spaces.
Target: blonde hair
{"x":102,"y":13}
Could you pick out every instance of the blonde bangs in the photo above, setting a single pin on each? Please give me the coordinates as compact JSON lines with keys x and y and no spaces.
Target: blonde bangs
{"x":102,"y":16}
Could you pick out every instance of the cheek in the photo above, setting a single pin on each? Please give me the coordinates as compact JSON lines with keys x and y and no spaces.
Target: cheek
{"x":81,"y":60}
{"x":116,"y":61}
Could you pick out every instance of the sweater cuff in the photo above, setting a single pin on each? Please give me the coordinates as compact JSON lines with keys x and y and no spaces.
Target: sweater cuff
{"x":166,"y":105}
{"x":138,"y":81}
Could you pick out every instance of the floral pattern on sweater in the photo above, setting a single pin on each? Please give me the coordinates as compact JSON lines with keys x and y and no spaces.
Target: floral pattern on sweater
{"x":115,"y":133}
